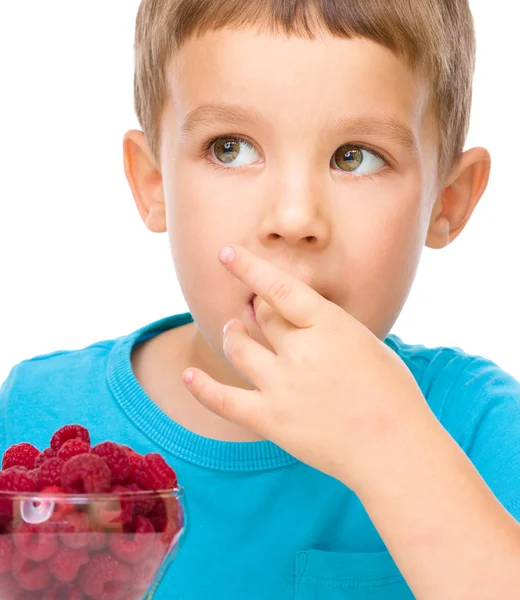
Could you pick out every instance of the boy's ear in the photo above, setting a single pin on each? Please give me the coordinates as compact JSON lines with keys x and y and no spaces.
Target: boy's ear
{"x":465,"y":186}
{"x":145,"y":180}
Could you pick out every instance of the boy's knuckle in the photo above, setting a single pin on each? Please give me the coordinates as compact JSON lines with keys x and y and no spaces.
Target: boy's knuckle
{"x":279,"y":290}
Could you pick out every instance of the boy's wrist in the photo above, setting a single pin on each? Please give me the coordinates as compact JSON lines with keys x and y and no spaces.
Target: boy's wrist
{"x":387,"y":448}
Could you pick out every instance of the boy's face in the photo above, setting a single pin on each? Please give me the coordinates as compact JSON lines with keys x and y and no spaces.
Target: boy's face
{"x":303,"y":194}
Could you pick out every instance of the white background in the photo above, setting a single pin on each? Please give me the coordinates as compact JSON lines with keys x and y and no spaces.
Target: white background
{"x":77,"y":264}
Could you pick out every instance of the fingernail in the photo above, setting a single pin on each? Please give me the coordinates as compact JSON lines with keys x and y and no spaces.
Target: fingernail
{"x":227,"y":326}
{"x":188,"y":377}
{"x":226,"y":255}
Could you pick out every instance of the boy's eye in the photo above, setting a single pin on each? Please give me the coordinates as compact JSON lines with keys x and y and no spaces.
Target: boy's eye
{"x":238,"y":152}
{"x":227,"y":150}
{"x":350,"y":158}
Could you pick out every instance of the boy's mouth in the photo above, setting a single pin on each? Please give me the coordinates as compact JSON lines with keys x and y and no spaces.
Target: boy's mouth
{"x":251,"y":300}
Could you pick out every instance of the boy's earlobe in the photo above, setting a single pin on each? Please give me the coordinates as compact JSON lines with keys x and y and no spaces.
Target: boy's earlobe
{"x":145,"y":180}
{"x":452,"y":211}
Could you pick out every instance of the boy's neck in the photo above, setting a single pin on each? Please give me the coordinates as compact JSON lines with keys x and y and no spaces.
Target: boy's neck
{"x":158,"y":364}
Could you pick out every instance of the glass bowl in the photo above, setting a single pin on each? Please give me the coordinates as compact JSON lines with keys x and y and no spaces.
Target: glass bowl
{"x":115,"y":546}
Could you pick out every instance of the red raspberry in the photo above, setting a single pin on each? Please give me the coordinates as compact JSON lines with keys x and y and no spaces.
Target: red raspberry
{"x":49,"y":473}
{"x":6,"y":553}
{"x":69,"y":432}
{"x":30,"y":575}
{"x":85,"y":474}
{"x":66,"y":563}
{"x":135,"y":461}
{"x":116,"y":459}
{"x":61,"y":506}
{"x":154,"y":473}
{"x":105,"y":577}
{"x":43,"y":456}
{"x":144,"y":572}
{"x":72,"y":448}
{"x":166,"y":511}
{"x":142,"y":505}
{"x":133,"y":547}
{"x":62,"y":591}
{"x":17,"y":480}
{"x":23,"y":454}
{"x":35,"y":542}
{"x":74,"y":530}
{"x":97,"y":540}
{"x":9,"y":587}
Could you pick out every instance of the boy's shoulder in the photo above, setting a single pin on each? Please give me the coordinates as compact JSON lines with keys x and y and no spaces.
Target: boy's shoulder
{"x":448,"y":366}
{"x":465,"y":391}
{"x":85,"y":386}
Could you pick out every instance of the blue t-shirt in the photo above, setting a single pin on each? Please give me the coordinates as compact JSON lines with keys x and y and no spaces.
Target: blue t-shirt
{"x":263,"y":524}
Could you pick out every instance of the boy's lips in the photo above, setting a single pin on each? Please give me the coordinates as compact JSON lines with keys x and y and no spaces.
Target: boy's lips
{"x":251,"y":299}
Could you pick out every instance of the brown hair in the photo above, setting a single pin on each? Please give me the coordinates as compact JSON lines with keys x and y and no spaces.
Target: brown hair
{"x":434,"y":37}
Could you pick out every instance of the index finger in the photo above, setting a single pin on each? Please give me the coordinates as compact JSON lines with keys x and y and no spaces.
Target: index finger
{"x":293,"y":299}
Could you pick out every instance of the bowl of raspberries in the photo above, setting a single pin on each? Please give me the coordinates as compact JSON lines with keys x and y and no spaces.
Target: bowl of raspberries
{"x":81,"y":521}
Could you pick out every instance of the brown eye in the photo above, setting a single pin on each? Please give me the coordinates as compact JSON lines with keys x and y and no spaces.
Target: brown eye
{"x":226,"y":150}
{"x":348,"y":158}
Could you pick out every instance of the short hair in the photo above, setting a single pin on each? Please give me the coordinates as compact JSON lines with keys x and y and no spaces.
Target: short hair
{"x":433,"y":37}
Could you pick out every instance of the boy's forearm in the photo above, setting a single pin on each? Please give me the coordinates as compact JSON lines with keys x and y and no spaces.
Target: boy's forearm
{"x":446,"y":531}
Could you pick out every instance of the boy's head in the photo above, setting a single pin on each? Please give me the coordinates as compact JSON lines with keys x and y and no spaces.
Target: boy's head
{"x":325,"y":135}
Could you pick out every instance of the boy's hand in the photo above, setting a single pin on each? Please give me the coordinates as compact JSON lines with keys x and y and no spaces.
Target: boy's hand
{"x":331,"y":395}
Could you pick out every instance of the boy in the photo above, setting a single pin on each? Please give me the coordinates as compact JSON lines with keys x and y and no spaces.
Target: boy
{"x":322,"y":457}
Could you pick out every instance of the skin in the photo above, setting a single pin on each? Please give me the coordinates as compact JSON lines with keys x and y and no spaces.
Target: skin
{"x":357,"y":240}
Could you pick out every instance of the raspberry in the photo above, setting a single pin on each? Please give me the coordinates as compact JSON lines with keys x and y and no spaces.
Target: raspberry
{"x":72,"y":448}
{"x":43,"y":456}
{"x":9,"y":587}
{"x":154,"y":473}
{"x":20,"y":455}
{"x":165,"y":513}
{"x":142,"y":506}
{"x":105,"y":577}
{"x":97,"y":540}
{"x":143,"y":573}
{"x":17,"y":480}
{"x":116,"y":458}
{"x":135,"y":461}
{"x":74,"y":530}
{"x":85,"y":474}
{"x":6,"y":553}
{"x":35,"y":542}
{"x":30,"y":575}
{"x":69,"y":432}
{"x":133,"y":547}
{"x":62,"y":591}
{"x":61,"y":507}
{"x":65,"y":564}
{"x":49,"y":473}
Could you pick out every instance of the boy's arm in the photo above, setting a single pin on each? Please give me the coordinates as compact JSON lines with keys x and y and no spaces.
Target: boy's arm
{"x":447,"y":532}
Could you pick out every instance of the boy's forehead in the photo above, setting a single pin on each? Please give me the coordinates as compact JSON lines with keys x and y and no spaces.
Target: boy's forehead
{"x":294,"y":82}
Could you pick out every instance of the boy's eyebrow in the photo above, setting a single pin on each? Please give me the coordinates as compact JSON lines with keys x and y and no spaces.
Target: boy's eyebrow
{"x":208,"y":114}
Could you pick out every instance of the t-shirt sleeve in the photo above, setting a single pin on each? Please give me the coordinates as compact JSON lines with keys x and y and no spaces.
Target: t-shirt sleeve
{"x":491,"y":430}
